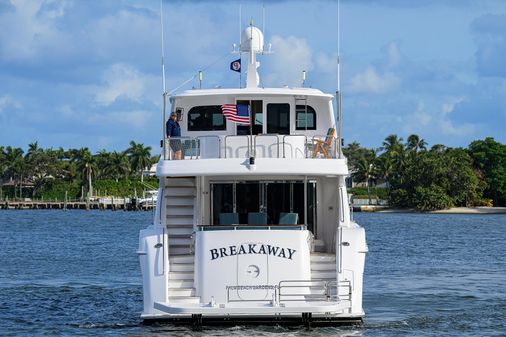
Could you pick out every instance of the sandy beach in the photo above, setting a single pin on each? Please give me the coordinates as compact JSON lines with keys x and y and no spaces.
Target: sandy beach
{"x":453,"y":210}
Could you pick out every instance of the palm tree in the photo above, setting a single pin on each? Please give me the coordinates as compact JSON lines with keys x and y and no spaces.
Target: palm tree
{"x":140,"y":156}
{"x":119,"y":165}
{"x":3,"y":168}
{"x":15,"y":165}
{"x":86,"y":165}
{"x":2,"y":161}
{"x":103,"y":164}
{"x":365,"y":172}
{"x":392,"y":145}
{"x":415,"y":144}
{"x":385,"y":168}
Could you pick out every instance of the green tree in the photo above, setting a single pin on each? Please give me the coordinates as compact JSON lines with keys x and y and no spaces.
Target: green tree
{"x":415,"y":144}
{"x":119,"y":166}
{"x":14,"y":167}
{"x":86,"y":165}
{"x":489,"y":157}
{"x":140,"y":156}
{"x":435,"y":179}
{"x":366,"y":172}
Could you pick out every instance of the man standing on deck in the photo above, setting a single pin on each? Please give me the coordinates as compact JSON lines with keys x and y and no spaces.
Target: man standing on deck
{"x":174,"y":130}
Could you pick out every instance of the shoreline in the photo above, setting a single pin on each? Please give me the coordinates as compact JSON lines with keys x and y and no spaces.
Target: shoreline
{"x":453,"y":210}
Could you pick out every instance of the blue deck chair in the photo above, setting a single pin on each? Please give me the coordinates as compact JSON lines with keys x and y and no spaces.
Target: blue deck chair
{"x":257,"y":218}
{"x":288,"y":218}
{"x":229,"y":218}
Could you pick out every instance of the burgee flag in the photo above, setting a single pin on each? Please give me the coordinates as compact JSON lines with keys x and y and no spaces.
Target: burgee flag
{"x":236,"y":113}
{"x":236,"y":65}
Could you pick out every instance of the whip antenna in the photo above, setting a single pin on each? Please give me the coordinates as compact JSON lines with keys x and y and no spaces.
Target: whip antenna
{"x":164,"y":142}
{"x":163,"y":49}
{"x":338,"y":92}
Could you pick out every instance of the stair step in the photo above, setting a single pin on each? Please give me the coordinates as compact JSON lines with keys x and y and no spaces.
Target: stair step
{"x":180,"y":191}
{"x":181,"y":225}
{"x":184,"y":201}
{"x":171,"y":182}
{"x":186,"y":267}
{"x":183,"y":230}
{"x":323,"y":274}
{"x":178,"y":292}
{"x":319,"y":245}
{"x":178,"y":250}
{"x":177,"y":284}
{"x":187,"y":220}
{"x":182,"y":259}
{"x":322,"y":257}
{"x":180,"y":275}
{"x":175,"y":215}
{"x":323,"y":266}
{"x":179,"y":241}
{"x":184,"y":299}
{"x":176,"y":211}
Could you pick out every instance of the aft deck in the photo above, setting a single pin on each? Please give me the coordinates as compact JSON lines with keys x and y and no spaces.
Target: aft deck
{"x":277,"y":155}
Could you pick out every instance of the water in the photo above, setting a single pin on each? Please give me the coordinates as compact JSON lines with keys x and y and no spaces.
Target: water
{"x":76,"y":273}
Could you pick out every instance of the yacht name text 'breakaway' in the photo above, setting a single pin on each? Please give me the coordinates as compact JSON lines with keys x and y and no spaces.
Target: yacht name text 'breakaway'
{"x":252,"y":248}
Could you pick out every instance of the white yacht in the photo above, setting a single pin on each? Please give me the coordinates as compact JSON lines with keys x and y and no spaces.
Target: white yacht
{"x":253,"y":222}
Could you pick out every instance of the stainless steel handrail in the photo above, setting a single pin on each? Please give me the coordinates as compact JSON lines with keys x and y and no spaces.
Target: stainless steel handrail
{"x":230,"y":136}
{"x":266,"y":135}
{"x":192,"y":146}
{"x":212,"y":136}
{"x":305,"y":144}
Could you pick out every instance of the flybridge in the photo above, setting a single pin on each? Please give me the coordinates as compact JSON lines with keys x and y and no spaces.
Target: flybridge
{"x":252,"y":248}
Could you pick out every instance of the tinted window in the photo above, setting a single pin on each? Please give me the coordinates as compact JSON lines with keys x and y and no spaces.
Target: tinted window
{"x":278,"y":118}
{"x":206,"y":118}
{"x":305,"y":121}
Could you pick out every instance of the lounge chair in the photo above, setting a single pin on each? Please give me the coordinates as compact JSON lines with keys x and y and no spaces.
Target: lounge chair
{"x":323,"y":146}
{"x":257,"y":218}
{"x":288,"y":218}
{"x":229,"y":218}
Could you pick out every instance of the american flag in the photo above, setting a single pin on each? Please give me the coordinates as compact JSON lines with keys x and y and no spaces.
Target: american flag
{"x":236,"y":113}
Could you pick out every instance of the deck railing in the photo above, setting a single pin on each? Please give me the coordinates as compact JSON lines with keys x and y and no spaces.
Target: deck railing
{"x":293,"y":291}
{"x":246,"y":146}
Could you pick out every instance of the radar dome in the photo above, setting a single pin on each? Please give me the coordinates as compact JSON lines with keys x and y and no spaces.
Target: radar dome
{"x":254,"y":36}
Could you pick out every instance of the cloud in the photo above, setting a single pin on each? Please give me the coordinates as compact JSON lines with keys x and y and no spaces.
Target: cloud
{"x":393,"y":55}
{"x":29,"y":27}
{"x":370,"y":81}
{"x":7,"y":101}
{"x":291,"y":56}
{"x":136,"y":118}
{"x":121,"y":81}
{"x":437,"y":122}
{"x":490,"y":36}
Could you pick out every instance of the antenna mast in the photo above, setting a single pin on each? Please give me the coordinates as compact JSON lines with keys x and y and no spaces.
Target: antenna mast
{"x":338,"y":92}
{"x":263,"y":23}
{"x":164,"y":145}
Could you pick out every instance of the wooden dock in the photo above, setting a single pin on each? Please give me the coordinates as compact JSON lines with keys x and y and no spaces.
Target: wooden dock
{"x":113,"y":204}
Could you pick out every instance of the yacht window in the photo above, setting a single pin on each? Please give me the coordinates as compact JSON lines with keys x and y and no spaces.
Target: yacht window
{"x":255,"y":108}
{"x":305,"y":121}
{"x":278,"y":118}
{"x":206,"y":118}
{"x":270,"y":197}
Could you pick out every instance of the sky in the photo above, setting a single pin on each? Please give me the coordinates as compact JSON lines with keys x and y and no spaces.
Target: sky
{"x":77,"y":73}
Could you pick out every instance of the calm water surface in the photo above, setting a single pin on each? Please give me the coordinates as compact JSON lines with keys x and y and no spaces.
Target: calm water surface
{"x":76,"y":273}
